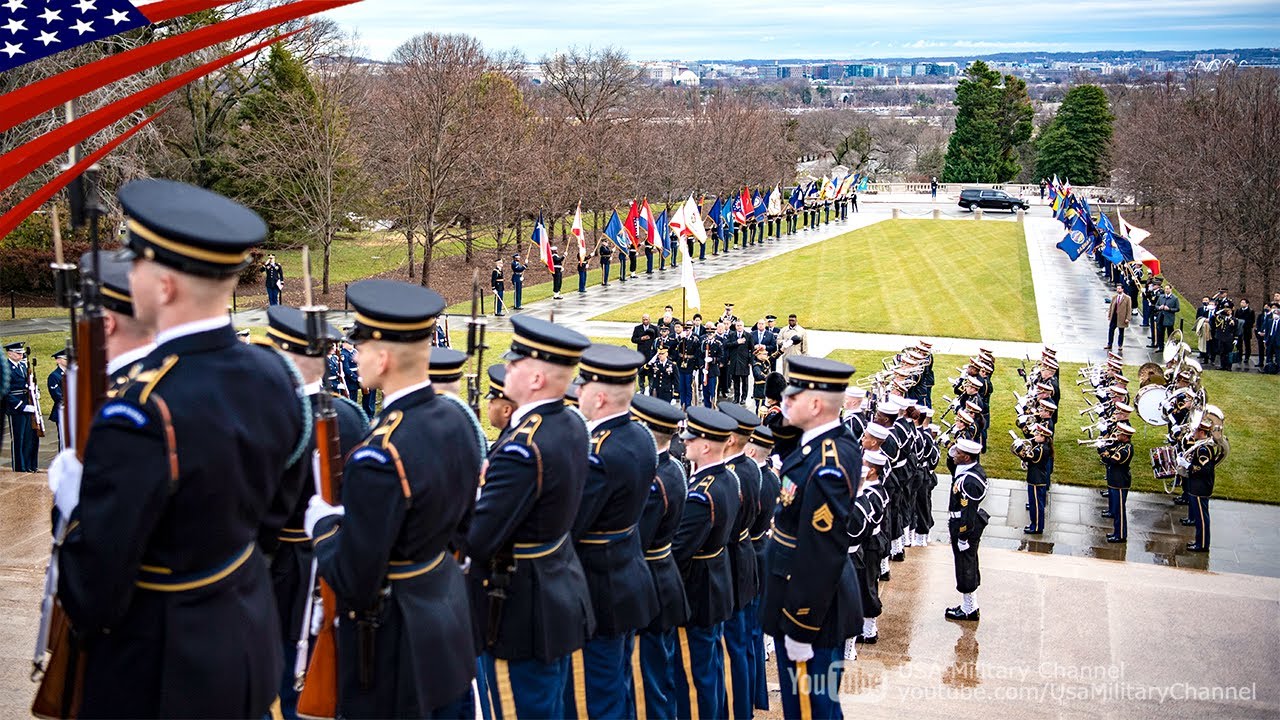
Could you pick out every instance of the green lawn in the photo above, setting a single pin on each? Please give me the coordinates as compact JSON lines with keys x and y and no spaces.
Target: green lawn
{"x":1246,"y":399}
{"x":920,"y":277}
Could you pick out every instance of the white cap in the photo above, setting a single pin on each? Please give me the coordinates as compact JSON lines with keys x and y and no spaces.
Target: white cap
{"x":875,"y":457}
{"x":854,"y":391}
{"x":889,"y":406}
{"x":933,"y":429}
{"x":879,"y":432}
{"x":928,"y":412}
{"x":1215,"y":411}
{"x":968,"y":446}
{"x":908,"y":403}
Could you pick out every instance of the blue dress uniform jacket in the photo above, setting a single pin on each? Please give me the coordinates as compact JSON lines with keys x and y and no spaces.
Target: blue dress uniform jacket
{"x":406,"y":489}
{"x":742,"y":554}
{"x":658,"y":526}
{"x":770,"y":486}
{"x":1039,"y":459}
{"x":528,"y":500}
{"x":811,"y":593}
{"x":706,"y":527}
{"x":1117,"y":458}
{"x":291,"y":562}
{"x":191,"y":459}
{"x":57,"y":393}
{"x":623,"y":462}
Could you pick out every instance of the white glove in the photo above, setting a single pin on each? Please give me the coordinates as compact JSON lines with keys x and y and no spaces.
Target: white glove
{"x":64,"y":481}
{"x":962,"y":545}
{"x":317,"y":616}
{"x":1184,"y":463}
{"x":280,"y":284}
{"x":28,"y":408}
{"x":317,"y":510}
{"x":777,"y":463}
{"x":798,"y":651}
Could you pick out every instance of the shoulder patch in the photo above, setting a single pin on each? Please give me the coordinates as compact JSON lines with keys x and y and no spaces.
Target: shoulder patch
{"x":595,"y":459}
{"x":514,"y":448}
{"x":699,"y":496}
{"x":370,"y":453}
{"x":124,"y":410}
{"x":829,"y":472}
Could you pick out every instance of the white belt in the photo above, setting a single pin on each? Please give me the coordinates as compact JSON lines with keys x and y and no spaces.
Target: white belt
{"x":954,"y":514}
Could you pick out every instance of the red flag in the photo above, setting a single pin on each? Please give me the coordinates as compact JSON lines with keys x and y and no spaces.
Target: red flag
{"x":742,"y":212}
{"x":632,"y":224}
{"x":650,"y":227}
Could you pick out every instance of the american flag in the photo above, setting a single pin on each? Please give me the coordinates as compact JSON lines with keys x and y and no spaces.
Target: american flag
{"x":35,"y":29}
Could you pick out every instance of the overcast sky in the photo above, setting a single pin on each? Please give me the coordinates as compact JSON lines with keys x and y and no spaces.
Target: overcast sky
{"x":740,"y":29}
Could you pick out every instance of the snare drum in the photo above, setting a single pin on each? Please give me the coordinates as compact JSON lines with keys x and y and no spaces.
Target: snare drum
{"x":1164,"y":462}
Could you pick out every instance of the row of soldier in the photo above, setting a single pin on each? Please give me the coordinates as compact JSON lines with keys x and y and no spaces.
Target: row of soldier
{"x":571,"y":563}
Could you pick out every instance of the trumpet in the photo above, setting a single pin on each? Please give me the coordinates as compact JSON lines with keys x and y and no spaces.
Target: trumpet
{"x":1098,"y":442}
{"x":1094,"y":409}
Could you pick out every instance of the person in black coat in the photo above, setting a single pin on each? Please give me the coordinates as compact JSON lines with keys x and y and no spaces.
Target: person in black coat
{"x":623,"y":463}
{"x":405,"y":644}
{"x":1199,"y":461}
{"x":517,"y":280}
{"x":291,"y":576}
{"x":1247,"y":318}
{"x":644,"y":335}
{"x":191,"y":470}
{"x":655,"y":687}
{"x":738,"y":359}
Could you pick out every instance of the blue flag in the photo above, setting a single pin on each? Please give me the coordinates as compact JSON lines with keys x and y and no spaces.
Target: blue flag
{"x":1077,"y":237}
{"x":40,"y":29}
{"x":726,"y":219}
{"x":1115,"y":239}
{"x":757,"y":205}
{"x":614,"y":232}
{"x":796,"y":200}
{"x":664,"y":230}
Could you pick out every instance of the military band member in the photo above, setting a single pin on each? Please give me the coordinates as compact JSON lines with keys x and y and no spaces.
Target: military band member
{"x":966,"y":521}
{"x":517,"y":280}
{"x":811,"y":597}
{"x":654,"y":684}
{"x":525,"y":575}
{"x":699,"y":548}
{"x":291,"y":563}
{"x":1116,"y":457}
{"x":1036,"y":454}
{"x":1198,"y":461}
{"x":867,"y":545}
{"x":405,"y":646}
{"x":738,"y":641}
{"x":161,"y":574}
{"x":623,"y":463}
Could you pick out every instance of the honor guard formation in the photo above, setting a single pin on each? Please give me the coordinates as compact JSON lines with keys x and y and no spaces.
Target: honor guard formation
{"x":242,"y":530}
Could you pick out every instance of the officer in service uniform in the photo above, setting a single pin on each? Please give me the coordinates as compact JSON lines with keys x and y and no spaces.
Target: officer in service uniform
{"x":623,"y":463}
{"x":291,"y":576}
{"x":758,"y":450}
{"x":161,"y":573}
{"x":811,"y":597}
{"x":966,"y":521}
{"x":655,"y":683}
{"x":699,"y":548}
{"x":531,"y":603}
{"x":1199,"y":461}
{"x":739,"y":645}
{"x":405,"y":646}
{"x":1116,"y":457}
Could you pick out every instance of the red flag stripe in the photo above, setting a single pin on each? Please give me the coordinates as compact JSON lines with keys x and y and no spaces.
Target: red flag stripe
{"x":22,"y":210}
{"x":27,"y":102}
{"x":20,"y":161}
{"x":170,"y":9}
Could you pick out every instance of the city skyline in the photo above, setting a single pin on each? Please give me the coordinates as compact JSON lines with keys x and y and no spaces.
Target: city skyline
{"x":751,"y":29}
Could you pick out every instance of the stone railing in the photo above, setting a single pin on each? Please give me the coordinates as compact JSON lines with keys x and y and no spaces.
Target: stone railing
{"x":1028,"y":191}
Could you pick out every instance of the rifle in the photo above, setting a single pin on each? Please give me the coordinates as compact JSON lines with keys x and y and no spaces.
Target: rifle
{"x":475,"y":345}
{"x":33,"y":397}
{"x":318,"y":681}
{"x":56,"y":664}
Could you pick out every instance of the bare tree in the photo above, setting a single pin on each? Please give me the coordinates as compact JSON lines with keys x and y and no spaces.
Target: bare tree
{"x":594,"y":85}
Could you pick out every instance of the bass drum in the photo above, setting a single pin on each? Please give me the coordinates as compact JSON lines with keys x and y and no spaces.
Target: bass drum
{"x":1148,"y":403}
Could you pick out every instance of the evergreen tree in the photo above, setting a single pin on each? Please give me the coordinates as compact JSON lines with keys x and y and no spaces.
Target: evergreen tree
{"x":993,"y":118}
{"x":1076,"y":143}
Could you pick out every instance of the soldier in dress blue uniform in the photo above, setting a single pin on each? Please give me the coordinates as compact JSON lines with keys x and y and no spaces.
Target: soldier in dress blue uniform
{"x":405,"y":647}
{"x":55,"y":383}
{"x":966,"y":521}
{"x":291,"y":564}
{"x":758,"y":450}
{"x":532,"y":606}
{"x":623,"y":464}
{"x":699,"y":548}
{"x":655,"y":684}
{"x":18,"y":408}
{"x":517,"y":280}
{"x":712,"y":359}
{"x":811,"y":596}
{"x":1037,"y":458}
{"x":350,"y":370}
{"x":606,"y":259}
{"x":499,"y":408}
{"x":1116,"y":457}
{"x":738,"y":631}
{"x":335,"y":375}
{"x":663,"y":374}
{"x":161,"y":573}
{"x":1199,"y":462}
{"x":273,"y":275}
{"x":499,"y":289}
{"x":128,"y":340}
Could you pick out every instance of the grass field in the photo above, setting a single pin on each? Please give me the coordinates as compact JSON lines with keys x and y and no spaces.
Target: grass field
{"x":1249,"y":472}
{"x":926,"y":277}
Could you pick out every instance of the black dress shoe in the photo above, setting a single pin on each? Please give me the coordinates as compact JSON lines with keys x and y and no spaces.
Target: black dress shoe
{"x":1107,"y":514}
{"x":884,"y":576}
{"x":1114,"y":539}
{"x":1192,"y":547}
{"x":1188,"y":522}
{"x":863,"y":640}
{"x":1104,"y":493}
{"x":1027,"y":506}
{"x":898,"y":557}
{"x":956,"y":613}
{"x":1032,"y":531}
{"x":1181,"y":501}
